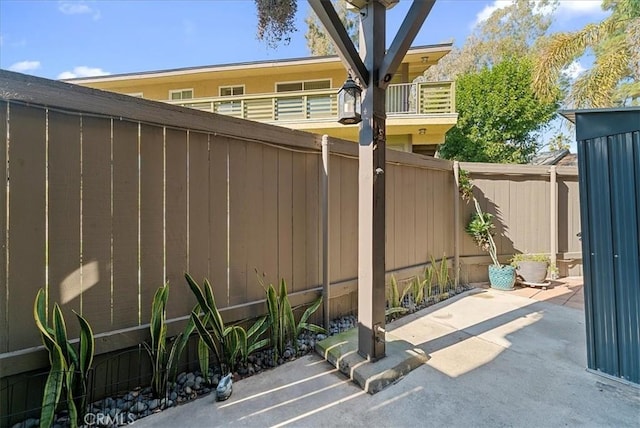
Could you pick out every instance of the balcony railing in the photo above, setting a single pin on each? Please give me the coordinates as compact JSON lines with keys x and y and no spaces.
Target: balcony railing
{"x":402,"y":99}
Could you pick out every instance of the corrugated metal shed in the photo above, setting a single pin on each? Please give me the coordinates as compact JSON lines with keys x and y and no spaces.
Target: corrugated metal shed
{"x":609,"y":174}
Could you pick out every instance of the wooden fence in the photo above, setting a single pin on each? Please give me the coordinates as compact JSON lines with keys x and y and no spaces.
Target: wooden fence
{"x":108,"y":197}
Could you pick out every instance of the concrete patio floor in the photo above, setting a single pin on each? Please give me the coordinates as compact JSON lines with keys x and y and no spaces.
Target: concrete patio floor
{"x":494,"y":359}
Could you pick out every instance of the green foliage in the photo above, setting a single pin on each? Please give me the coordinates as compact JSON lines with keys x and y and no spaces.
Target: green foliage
{"x":465,"y":187}
{"x":318,"y":41}
{"x":499,"y":115}
{"x":284,"y":329}
{"x":441,"y":271}
{"x":480,"y":227}
{"x":395,"y":298}
{"x":614,"y":77}
{"x":429,"y":273}
{"x":529,"y":257}
{"x":164,"y":358}
{"x":68,"y":375}
{"x":276,"y":20}
{"x":510,"y":31}
{"x":226,"y":343}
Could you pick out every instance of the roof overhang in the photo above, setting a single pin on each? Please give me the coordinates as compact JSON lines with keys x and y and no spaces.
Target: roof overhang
{"x":419,"y":59}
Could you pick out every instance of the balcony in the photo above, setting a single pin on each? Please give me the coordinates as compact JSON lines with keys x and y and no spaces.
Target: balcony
{"x":403,"y":100}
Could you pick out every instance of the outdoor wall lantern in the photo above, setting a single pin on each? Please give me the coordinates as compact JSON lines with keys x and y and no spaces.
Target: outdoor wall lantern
{"x":349,"y":101}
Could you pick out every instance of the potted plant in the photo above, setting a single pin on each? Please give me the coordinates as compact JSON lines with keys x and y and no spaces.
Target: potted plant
{"x":482,"y":229}
{"x":531,"y":268}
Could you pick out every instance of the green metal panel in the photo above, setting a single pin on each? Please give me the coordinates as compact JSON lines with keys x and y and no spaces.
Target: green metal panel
{"x":609,"y":167}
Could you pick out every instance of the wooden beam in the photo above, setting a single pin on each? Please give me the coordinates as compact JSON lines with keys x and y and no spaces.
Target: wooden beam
{"x":407,"y":32}
{"x":344,"y":46}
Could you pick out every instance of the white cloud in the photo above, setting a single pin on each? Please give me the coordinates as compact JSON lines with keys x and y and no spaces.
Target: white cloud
{"x":82,"y":71}
{"x":80,"y":7}
{"x":573,"y":70}
{"x":567,"y":9}
{"x":25,"y":66}
{"x":580,"y":7}
{"x":485,"y":13}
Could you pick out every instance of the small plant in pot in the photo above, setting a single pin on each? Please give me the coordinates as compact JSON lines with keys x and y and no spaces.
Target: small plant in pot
{"x":482,"y":229}
{"x":531,"y":268}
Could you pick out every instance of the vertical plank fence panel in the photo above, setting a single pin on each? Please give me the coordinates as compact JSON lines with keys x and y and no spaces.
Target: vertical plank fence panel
{"x":349,"y":218}
{"x":96,"y":222}
{"x":299,"y":214}
{"x":391,"y":174}
{"x":26,"y":265}
{"x":335,"y":217}
{"x":126,"y":304}
{"x":285,"y":217}
{"x":64,"y":215}
{"x":270,"y":233}
{"x":181,"y":301}
{"x":421,"y":232}
{"x":313,"y":230}
{"x":219,"y":158}
{"x":255,"y":226}
{"x":239,"y":217}
{"x":199,"y":231}
{"x":4,"y":304}
{"x":151,"y":216}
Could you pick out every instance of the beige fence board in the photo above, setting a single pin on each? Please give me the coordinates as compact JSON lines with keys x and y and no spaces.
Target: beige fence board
{"x":151,"y":213}
{"x":285,"y":216}
{"x":269,"y":214}
{"x":408,"y":215}
{"x":299,"y":214}
{"x":126,"y":308}
{"x":96,"y":222}
{"x":257,"y":233}
{"x":218,"y":205}
{"x":335,"y":217}
{"x":198,"y":232}
{"x":421,"y":232}
{"x":390,"y":194}
{"x":239,"y":217}
{"x":182,"y":300}
{"x":4,"y":330}
{"x":26,"y":222}
{"x":64,"y":215}
{"x":313,"y":229}
{"x":349,"y":218}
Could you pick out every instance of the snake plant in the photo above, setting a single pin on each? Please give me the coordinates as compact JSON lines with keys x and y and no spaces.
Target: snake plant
{"x":283,"y":325}
{"x":164,"y":358}
{"x":226,"y":343}
{"x":69,"y":372}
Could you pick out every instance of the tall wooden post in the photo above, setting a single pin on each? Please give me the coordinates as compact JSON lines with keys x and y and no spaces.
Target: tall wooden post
{"x":371,"y":189}
{"x":374,"y":69}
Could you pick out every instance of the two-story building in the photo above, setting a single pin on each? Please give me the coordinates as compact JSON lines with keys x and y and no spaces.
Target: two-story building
{"x":301,"y":94}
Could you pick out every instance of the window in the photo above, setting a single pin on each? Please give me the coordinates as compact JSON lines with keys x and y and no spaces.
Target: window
{"x":135,"y":94}
{"x":303,"y":86}
{"x":228,"y":91}
{"x":180,"y":94}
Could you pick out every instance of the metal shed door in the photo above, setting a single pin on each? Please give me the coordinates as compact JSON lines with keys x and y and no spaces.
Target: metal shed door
{"x":611,"y":172}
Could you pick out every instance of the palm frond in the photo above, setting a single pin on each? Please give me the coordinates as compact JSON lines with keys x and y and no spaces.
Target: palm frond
{"x":561,"y":49}
{"x":596,"y":88}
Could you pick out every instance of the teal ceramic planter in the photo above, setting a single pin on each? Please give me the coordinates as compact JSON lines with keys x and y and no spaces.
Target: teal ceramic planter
{"x":503,"y":277}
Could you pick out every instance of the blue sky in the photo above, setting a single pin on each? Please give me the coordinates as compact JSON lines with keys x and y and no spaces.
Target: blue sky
{"x":63,"y":39}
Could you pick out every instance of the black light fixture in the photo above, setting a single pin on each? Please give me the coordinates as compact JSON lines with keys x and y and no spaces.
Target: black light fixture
{"x":349,"y":101}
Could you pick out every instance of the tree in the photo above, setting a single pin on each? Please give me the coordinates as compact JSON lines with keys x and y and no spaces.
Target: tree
{"x":276,"y":20}
{"x":614,"y":78}
{"x":318,"y":42}
{"x":510,"y":31}
{"x":499,"y":116}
